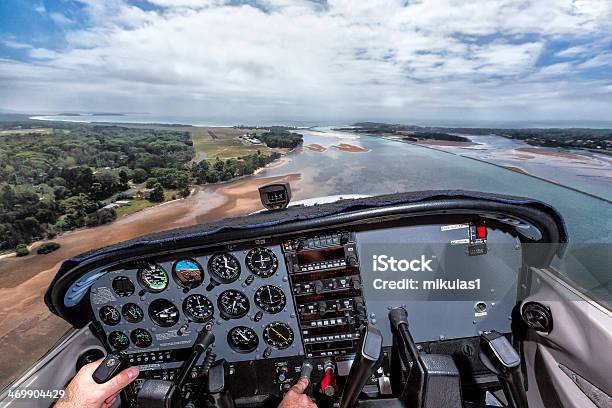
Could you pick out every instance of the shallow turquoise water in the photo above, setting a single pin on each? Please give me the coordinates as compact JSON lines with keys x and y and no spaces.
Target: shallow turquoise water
{"x":397,"y":167}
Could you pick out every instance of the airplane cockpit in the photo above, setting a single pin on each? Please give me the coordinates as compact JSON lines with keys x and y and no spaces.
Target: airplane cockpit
{"x":419,"y":299}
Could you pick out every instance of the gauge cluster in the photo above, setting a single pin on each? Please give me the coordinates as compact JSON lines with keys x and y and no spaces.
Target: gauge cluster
{"x":153,"y":310}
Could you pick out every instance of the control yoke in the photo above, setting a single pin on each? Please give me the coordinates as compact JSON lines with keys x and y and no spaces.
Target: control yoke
{"x":367,"y":360}
{"x":166,"y":394}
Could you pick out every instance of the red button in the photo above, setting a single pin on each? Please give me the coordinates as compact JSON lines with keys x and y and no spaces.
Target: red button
{"x":481,"y":232}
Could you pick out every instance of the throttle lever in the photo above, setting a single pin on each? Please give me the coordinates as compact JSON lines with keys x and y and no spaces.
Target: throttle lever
{"x":112,"y":364}
{"x":367,"y":360}
{"x":500,"y":357}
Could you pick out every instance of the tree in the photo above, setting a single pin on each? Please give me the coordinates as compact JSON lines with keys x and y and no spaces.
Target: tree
{"x":47,"y":248}
{"x":157,"y":195}
{"x":139,"y":175}
{"x":100,"y":217}
{"x":151,"y":182}
{"x":22,"y":250}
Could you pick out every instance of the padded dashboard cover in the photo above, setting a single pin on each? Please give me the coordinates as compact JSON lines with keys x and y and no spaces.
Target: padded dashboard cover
{"x":292,"y":219}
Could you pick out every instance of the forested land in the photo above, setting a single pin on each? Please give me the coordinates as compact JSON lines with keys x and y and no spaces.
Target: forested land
{"x":56,"y":176}
{"x":572,"y":138}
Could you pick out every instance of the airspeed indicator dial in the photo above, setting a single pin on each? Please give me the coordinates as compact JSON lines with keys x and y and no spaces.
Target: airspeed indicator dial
{"x":153,"y":278}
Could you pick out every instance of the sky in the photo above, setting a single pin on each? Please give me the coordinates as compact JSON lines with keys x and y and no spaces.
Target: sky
{"x":307,"y":60}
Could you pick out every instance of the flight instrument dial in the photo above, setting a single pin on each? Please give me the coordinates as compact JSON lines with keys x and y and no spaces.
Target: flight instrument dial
{"x":270,"y":298}
{"x":233,"y":304}
{"x":198,"y":308}
{"x":224,"y":268}
{"x":153,"y":278}
{"x":163,"y":313}
{"x":262,"y":262}
{"x":278,"y":335}
{"x":243,"y":339}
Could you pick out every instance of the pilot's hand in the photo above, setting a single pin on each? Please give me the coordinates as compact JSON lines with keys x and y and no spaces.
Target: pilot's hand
{"x":295,"y":397}
{"x":84,"y":392}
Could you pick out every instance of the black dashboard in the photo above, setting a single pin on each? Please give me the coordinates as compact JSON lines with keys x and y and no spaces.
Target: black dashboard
{"x":275,"y":300}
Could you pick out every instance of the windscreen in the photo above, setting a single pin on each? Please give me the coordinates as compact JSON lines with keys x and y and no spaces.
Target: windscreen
{"x":123,"y":118}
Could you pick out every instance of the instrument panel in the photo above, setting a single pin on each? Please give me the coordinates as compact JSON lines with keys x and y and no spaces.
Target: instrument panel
{"x":307,"y":295}
{"x":153,"y":310}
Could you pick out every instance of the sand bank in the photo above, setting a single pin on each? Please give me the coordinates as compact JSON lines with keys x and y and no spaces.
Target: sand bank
{"x":316,"y":147}
{"x":345,"y":147}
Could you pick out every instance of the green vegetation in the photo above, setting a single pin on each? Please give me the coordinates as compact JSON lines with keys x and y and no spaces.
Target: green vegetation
{"x":47,"y":247}
{"x":58,"y":176}
{"x":407,"y":132}
{"x":281,"y":138}
{"x":22,"y":250}
{"x":575,"y":138}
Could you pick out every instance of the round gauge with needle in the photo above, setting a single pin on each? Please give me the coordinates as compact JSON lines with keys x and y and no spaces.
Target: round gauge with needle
{"x":153,"y":278}
{"x":224,"y":268}
{"x":118,"y":340}
{"x":262,"y":262}
{"x":233,"y":304}
{"x":243,"y":339}
{"x":278,"y":335}
{"x":163,"y":313}
{"x":270,"y":298}
{"x":132,"y":312}
{"x":198,"y":308}
{"x":109,"y":315}
{"x":141,"y":338}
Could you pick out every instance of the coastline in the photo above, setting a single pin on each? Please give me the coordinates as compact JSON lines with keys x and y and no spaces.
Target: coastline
{"x":509,"y":168}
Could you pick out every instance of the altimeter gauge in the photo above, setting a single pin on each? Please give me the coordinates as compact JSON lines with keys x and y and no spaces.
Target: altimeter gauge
{"x":224,"y":268}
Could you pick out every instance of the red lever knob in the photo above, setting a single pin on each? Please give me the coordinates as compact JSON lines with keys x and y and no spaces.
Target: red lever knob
{"x":328,"y":383}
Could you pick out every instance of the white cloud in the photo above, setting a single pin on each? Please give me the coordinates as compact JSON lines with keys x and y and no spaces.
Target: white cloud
{"x":15,"y":44}
{"x":281,"y":59}
{"x":60,"y":19}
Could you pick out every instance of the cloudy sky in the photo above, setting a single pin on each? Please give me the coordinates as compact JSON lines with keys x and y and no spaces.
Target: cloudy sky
{"x":308,"y":60}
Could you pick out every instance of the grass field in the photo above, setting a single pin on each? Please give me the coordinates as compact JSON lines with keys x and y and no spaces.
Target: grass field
{"x":134,"y":206}
{"x":25,"y":131}
{"x":228,"y":144}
